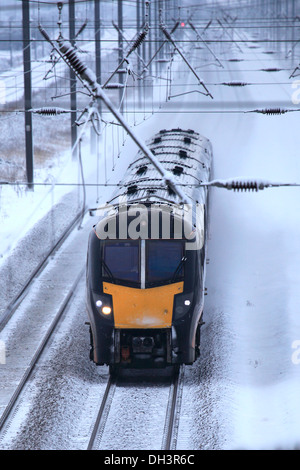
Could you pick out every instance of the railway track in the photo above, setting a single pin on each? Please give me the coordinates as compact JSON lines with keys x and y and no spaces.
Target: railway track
{"x":30,"y":320}
{"x":172,"y":412}
{"x":15,"y":398}
{"x":15,"y":302}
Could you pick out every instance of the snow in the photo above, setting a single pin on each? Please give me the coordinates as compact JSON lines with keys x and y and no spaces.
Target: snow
{"x":245,"y":388}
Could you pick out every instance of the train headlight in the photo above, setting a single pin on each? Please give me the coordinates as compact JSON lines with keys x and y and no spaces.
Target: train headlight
{"x":182,"y":304}
{"x":106,"y":310}
{"x":103,"y":303}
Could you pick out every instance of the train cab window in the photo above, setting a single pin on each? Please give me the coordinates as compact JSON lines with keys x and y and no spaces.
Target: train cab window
{"x":165,"y":261}
{"x":121,"y":260}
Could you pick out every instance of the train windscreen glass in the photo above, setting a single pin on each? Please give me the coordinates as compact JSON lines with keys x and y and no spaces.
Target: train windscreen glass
{"x":121,"y":260}
{"x":165,"y":260}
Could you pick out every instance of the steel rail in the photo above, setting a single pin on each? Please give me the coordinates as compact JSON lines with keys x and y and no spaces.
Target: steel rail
{"x":15,"y":302}
{"x":10,"y":406}
{"x":103,"y":412}
{"x":173,"y":411}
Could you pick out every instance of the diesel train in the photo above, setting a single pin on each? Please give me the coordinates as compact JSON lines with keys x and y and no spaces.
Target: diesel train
{"x":146,"y":259}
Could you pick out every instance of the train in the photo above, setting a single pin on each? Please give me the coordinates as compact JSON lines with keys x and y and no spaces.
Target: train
{"x":146,"y":259}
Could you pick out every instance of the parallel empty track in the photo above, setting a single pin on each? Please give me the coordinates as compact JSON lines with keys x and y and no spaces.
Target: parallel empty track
{"x":110,"y":408}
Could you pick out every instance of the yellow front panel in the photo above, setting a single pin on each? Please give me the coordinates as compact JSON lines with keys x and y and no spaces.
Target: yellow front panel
{"x":143,"y":308}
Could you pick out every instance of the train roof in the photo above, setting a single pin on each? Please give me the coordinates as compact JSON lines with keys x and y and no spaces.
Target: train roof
{"x":185,"y":154}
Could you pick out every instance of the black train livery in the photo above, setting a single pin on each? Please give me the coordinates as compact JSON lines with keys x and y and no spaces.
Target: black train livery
{"x":146,"y":259}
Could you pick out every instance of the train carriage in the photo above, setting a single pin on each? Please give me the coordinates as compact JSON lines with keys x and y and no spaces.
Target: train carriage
{"x":146,"y":259}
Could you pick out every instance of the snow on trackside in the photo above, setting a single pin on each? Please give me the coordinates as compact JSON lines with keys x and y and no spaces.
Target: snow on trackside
{"x":251,"y":379}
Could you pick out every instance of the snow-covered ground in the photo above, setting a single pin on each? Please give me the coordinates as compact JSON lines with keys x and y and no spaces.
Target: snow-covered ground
{"x":253,"y":275}
{"x":243,"y":393}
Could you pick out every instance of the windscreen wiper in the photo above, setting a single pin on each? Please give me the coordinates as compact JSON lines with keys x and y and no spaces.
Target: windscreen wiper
{"x":108,"y":271}
{"x":182,"y":261}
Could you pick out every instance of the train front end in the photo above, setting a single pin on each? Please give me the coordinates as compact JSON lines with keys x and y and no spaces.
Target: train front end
{"x":146,"y":259}
{"x":144,"y":295}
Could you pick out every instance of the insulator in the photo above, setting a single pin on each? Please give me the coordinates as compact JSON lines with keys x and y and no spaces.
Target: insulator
{"x":71,"y":56}
{"x":272,"y":69}
{"x":235,"y":83}
{"x":81,"y":29}
{"x":44,"y":33}
{"x":243,"y":186}
{"x":49,"y":111}
{"x":114,"y":86}
{"x":175,"y":27}
{"x":270,"y":111}
{"x":141,"y":37}
{"x":75,"y":62}
{"x":166,"y":33}
{"x":72,"y":59}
